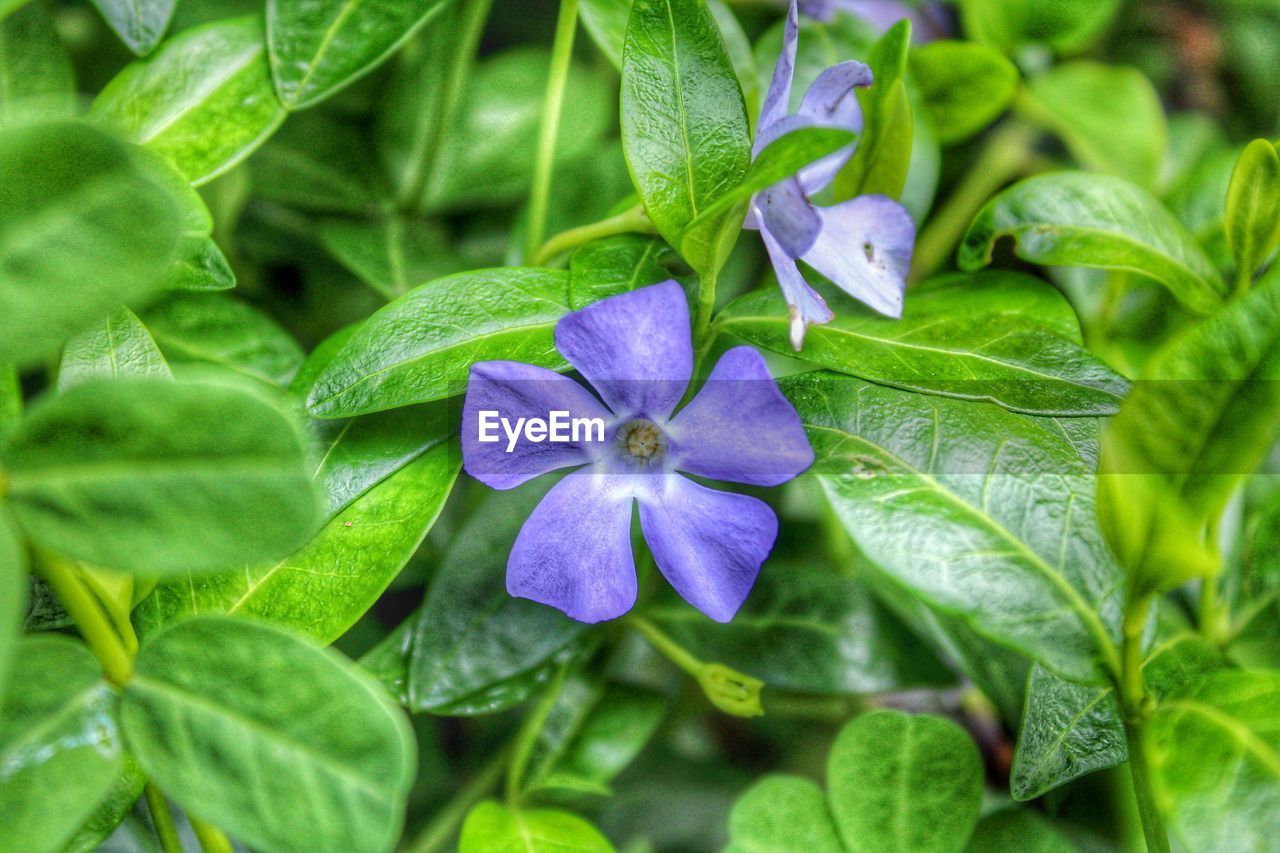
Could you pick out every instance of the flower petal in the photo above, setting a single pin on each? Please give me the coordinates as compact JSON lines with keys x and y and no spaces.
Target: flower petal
{"x":777,"y":101}
{"x":865,"y":249}
{"x":786,"y":214}
{"x":739,"y":427}
{"x":514,"y":390}
{"x":831,"y":101}
{"x":708,"y":544}
{"x":574,"y":551}
{"x":929,"y":21}
{"x":636,"y":349}
{"x":806,"y":305}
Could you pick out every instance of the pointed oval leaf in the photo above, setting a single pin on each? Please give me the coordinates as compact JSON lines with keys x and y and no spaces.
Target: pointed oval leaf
{"x":139,"y":23}
{"x":491,"y":827}
{"x":119,"y":346}
{"x":1082,"y":220}
{"x":616,"y":265}
{"x":1253,"y":207}
{"x":964,"y":85}
{"x":324,"y":764}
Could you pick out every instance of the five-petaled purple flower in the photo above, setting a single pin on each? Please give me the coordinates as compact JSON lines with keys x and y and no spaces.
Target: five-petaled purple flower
{"x":864,"y":244}
{"x":635,"y":349}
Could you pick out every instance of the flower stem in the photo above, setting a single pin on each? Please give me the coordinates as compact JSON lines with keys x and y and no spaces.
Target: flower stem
{"x":1137,"y":707}
{"x":437,"y":833}
{"x":729,"y":690}
{"x":470,"y":18}
{"x":1153,"y":829}
{"x":89,"y":617}
{"x":631,"y":220}
{"x":666,"y":646}
{"x":212,"y":839}
{"x":540,"y":194}
{"x":162,"y":819}
{"x":1007,"y":153}
{"x":527,"y":738}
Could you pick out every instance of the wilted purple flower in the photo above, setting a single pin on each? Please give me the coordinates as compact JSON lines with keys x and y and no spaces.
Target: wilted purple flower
{"x":929,"y":21}
{"x":864,"y":244}
{"x":574,"y":551}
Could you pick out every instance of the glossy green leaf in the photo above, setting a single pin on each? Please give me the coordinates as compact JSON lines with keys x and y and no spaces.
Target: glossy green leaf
{"x":1075,"y":219}
{"x":684,"y":122}
{"x":782,"y":813}
{"x":807,"y":629}
{"x":36,"y":79}
{"x":964,"y":85}
{"x":119,"y":346}
{"x":1018,"y":829}
{"x":492,"y":828}
{"x":151,"y":476}
{"x":904,"y":783}
{"x":221,"y":330}
{"x":470,"y":635}
{"x":1253,"y":207}
{"x":59,"y":744}
{"x":320,"y":46}
{"x":421,"y":346}
{"x":1216,"y":762}
{"x":140,"y":24}
{"x":322,"y":589}
{"x":1008,"y":338}
{"x":326,"y":764}
{"x":616,"y":265}
{"x":204,"y":100}
{"x":13,"y":593}
{"x":391,"y":255}
{"x":1204,"y":417}
{"x":606,"y":23}
{"x":880,"y":164}
{"x":1109,"y":117}
{"x":84,"y":226}
{"x":983,"y":513}
{"x":201,"y":266}
{"x":1065,"y":26}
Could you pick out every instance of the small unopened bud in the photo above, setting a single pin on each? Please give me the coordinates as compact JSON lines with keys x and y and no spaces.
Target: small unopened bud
{"x":730,"y":690}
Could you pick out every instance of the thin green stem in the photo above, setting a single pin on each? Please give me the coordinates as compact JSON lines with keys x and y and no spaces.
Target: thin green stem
{"x":528,"y":736}
{"x":90,"y":618}
{"x":666,"y":646}
{"x":162,"y":819}
{"x":552,"y":105}
{"x":1006,"y":154}
{"x":631,"y":220}
{"x":1137,"y":707}
{"x":212,"y":839}
{"x":706,"y":305}
{"x":729,"y":690}
{"x":444,"y":824}
{"x":1153,"y":829}
{"x":470,"y":17}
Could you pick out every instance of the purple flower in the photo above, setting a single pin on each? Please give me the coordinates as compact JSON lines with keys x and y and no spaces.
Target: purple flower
{"x":574,"y":551}
{"x":863,"y":245}
{"x":929,"y":21}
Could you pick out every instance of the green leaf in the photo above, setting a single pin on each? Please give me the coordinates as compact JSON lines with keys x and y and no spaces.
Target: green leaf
{"x":151,"y":476}
{"x":965,"y":86}
{"x":470,"y":635}
{"x":1203,"y":417}
{"x":880,"y":164}
{"x":112,"y":811}
{"x":13,"y":593}
{"x":391,"y":255}
{"x":904,"y":783}
{"x":781,"y":813}
{"x":204,"y":100}
{"x":1018,"y":829}
{"x":119,"y":346}
{"x":808,"y":629}
{"x":1007,"y":338}
{"x":320,"y":163}
{"x":139,"y":23}
{"x":616,"y":265}
{"x":201,"y":267}
{"x":1076,"y":219}
{"x":1109,"y":117}
{"x":421,"y":346}
{"x":322,"y":589}
{"x":1253,"y":207}
{"x":59,"y":743}
{"x":606,"y":23}
{"x":221,"y":330}
{"x":10,"y":399}
{"x":983,"y":513}
{"x":1013,"y":25}
{"x":84,"y":225}
{"x":324,"y":764}
{"x":684,"y":122}
{"x":1216,"y":762}
{"x":320,"y":46}
{"x":492,"y":828}
{"x":36,"y":79}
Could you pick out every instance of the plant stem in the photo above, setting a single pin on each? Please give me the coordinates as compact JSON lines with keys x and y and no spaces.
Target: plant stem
{"x":631,"y":220}
{"x":436,"y":834}
{"x":706,"y":306}
{"x":528,"y":736}
{"x":666,"y":646}
{"x":1213,"y":620}
{"x":1153,"y":829}
{"x":1136,"y":707}
{"x":212,"y":839}
{"x":162,"y":819}
{"x":1007,"y":153}
{"x":471,"y":17}
{"x":89,"y":617}
{"x":540,"y":193}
